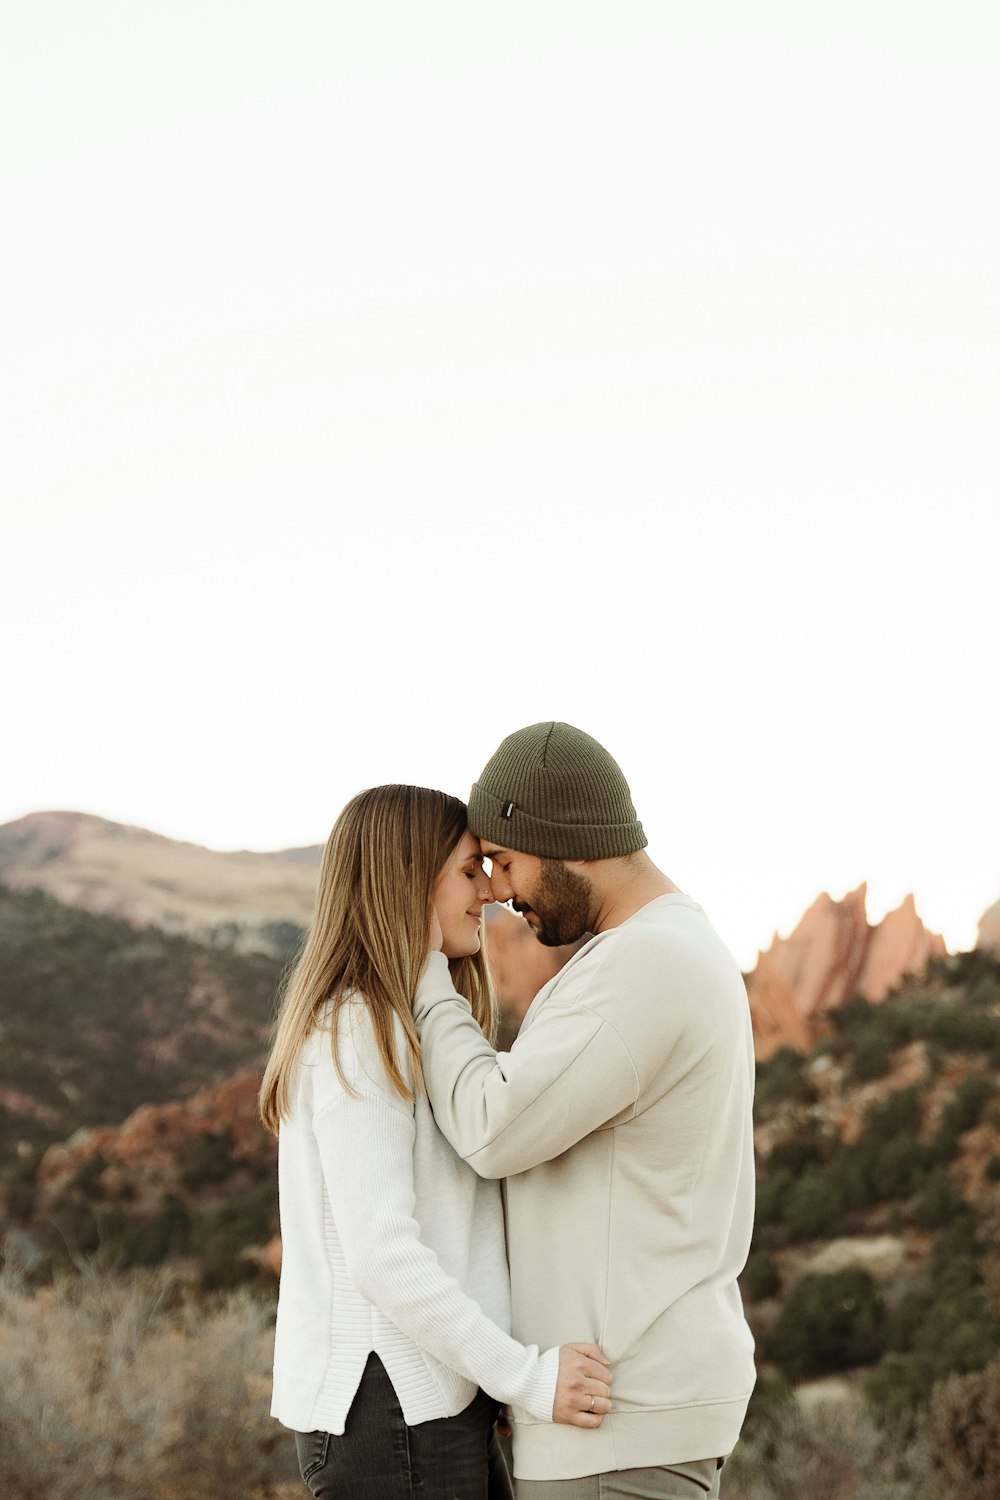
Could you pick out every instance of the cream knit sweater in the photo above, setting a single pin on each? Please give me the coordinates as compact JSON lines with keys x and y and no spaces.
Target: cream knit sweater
{"x":621,"y":1119}
{"x":390,"y":1243}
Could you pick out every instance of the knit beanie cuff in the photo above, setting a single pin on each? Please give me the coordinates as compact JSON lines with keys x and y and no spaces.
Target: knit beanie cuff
{"x":511,"y":827}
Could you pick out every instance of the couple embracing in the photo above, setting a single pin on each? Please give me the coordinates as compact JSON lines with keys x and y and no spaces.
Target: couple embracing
{"x":596,"y":1298}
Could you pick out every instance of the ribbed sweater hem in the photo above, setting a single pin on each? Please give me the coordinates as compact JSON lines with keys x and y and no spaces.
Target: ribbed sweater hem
{"x":628,"y":1440}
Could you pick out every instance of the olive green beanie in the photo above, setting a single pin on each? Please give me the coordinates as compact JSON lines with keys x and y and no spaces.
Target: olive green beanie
{"x":552,"y":790}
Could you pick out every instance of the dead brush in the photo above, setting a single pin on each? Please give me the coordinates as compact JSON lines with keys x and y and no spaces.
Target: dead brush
{"x":110,"y":1392}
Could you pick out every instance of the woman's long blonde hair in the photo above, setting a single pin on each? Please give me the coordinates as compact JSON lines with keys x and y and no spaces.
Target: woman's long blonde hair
{"x":370,"y":934}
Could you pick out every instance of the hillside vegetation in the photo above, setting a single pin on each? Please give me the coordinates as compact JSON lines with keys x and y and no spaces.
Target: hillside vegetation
{"x":873,"y":1279}
{"x":876,"y":1254}
{"x":98,"y":1018}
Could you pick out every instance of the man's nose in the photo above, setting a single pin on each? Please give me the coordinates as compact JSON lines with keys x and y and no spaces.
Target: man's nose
{"x":502,"y":888}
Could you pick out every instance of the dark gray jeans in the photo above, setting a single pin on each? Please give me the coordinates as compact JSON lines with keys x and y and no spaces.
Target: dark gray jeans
{"x":380,"y":1458}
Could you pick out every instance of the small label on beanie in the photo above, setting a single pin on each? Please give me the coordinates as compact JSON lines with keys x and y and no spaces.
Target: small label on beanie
{"x":508,"y":808}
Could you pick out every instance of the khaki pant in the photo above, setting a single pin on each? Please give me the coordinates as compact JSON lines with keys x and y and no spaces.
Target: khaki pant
{"x":693,"y":1481}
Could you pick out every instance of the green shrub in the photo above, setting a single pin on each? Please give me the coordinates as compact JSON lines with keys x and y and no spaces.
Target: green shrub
{"x":887,"y":1159}
{"x":898,"y":1112}
{"x":813,"y":1204}
{"x":964,"y":1030}
{"x":149,"y":1240}
{"x":938,"y":1201}
{"x":966,"y":1106}
{"x":761,"y":1277}
{"x":782,"y":1079}
{"x":805,"y":1146}
{"x":210,"y":1159}
{"x":943,"y":1326}
{"x":245,"y":1218}
{"x":828,"y":1323}
{"x":853,"y":1017}
{"x":984,"y":993}
{"x":895,"y":1168}
{"x":772,"y":1194}
{"x":870,"y":1059}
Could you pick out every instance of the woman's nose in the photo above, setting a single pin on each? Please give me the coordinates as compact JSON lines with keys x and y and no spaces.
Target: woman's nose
{"x":486,"y":895}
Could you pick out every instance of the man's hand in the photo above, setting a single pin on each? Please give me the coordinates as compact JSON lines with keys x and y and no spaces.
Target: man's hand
{"x":583,"y":1390}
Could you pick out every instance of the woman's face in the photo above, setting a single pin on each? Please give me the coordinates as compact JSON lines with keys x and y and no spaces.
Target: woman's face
{"x":461,"y":891}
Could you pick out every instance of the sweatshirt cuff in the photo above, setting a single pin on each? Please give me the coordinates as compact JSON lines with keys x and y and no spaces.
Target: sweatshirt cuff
{"x":435,"y":984}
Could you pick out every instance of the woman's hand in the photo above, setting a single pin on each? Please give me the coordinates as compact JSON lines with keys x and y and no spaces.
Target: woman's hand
{"x":583,"y":1390}
{"x":436,"y":935}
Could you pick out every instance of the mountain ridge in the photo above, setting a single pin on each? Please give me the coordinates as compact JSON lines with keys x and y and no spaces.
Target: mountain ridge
{"x":262,"y":901}
{"x":250,"y":901}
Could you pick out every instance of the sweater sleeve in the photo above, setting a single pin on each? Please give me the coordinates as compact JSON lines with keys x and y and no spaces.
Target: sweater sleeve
{"x":366,"y":1149}
{"x":567,"y":1075}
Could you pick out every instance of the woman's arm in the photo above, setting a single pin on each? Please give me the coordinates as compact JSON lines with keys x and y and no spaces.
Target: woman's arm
{"x":366,"y":1148}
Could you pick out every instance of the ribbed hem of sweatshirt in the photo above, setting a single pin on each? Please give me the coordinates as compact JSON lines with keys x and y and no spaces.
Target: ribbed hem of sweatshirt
{"x":628,"y":1440}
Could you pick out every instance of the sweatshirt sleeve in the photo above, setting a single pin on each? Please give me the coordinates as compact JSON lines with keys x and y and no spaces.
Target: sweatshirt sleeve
{"x":366,"y":1148}
{"x":567,"y":1075}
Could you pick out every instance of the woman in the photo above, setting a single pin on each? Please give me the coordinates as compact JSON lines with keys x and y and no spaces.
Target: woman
{"x":391,"y":1347}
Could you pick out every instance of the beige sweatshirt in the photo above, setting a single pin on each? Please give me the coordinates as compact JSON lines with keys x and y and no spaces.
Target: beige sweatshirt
{"x":621,"y":1119}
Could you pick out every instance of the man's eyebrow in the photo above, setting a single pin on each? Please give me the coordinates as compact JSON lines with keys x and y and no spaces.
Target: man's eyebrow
{"x":490,"y":853}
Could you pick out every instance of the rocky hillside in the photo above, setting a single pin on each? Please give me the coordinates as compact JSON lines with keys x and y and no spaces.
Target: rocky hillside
{"x":191,"y":1182}
{"x":520,"y":964}
{"x":250,"y":902}
{"x":98,"y":1017}
{"x":874,"y":1268}
{"x":833,"y":955}
{"x":263,"y":902}
{"x":989,"y":929}
{"x":876,"y":1245}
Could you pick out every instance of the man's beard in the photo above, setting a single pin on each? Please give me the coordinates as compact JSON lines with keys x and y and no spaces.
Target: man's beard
{"x":562,"y":902}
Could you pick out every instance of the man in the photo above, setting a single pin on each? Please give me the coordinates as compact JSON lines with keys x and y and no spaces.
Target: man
{"x":621,"y":1119}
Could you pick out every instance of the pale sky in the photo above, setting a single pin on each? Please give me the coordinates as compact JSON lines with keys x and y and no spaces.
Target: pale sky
{"x":376,"y":379}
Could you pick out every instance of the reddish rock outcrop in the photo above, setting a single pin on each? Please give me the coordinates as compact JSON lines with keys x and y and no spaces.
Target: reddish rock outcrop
{"x":152,"y":1145}
{"x":832,"y":955}
{"x":989,"y":930}
{"x":521,"y":965}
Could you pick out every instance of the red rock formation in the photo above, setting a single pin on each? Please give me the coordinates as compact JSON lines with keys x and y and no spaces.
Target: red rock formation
{"x":832,"y":955}
{"x":154,"y":1140}
{"x":521,"y":965}
{"x":989,"y":930}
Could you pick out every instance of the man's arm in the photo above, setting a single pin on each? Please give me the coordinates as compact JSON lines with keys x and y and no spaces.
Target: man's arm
{"x":566,"y":1076}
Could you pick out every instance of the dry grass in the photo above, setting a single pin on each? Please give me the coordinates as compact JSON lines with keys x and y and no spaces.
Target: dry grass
{"x":110,"y":1393}
{"x":964,"y":1434}
{"x":832,"y":1452}
{"x":119,"y":1389}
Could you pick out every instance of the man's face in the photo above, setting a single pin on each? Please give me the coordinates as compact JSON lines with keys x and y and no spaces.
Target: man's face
{"x":555,"y":900}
